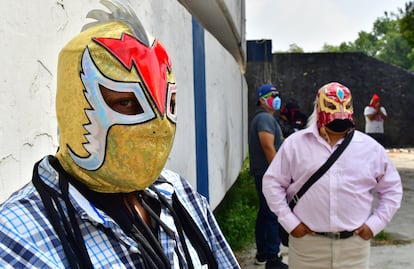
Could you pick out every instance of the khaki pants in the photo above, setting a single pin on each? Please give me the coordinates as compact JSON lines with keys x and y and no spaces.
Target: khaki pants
{"x":318,"y":252}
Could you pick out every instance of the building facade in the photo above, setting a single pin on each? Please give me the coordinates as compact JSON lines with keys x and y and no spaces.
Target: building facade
{"x":206,"y":43}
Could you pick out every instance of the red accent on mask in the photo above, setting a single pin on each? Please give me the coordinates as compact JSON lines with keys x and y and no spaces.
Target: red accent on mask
{"x":152,"y":63}
{"x":333,"y":101}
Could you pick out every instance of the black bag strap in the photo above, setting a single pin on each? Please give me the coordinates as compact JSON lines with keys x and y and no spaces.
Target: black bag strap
{"x":334,"y":156}
{"x":65,"y":225}
{"x":191,"y":229}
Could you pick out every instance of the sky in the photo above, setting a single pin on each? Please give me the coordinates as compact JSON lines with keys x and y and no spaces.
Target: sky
{"x":312,"y":23}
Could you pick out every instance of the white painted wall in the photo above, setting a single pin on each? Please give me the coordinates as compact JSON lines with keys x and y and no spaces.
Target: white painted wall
{"x":227,"y":118}
{"x":33,"y":32}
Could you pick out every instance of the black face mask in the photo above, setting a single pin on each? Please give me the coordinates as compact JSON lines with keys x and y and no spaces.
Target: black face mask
{"x":339,"y":125}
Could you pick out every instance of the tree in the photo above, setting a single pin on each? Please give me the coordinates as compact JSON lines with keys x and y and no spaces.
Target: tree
{"x":392,"y":47}
{"x":406,"y":24}
{"x":391,"y":39}
{"x":367,"y":42}
{"x":343,"y":47}
{"x":295,"y":48}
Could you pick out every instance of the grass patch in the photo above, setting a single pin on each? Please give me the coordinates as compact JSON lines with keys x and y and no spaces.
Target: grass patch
{"x":386,"y":239}
{"x":382,"y":236}
{"x":236,"y":214}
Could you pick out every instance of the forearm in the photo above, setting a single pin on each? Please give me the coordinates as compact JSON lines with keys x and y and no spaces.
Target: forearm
{"x":274,"y":190}
{"x":270,"y":153}
{"x":376,"y":113}
{"x":389,"y":192}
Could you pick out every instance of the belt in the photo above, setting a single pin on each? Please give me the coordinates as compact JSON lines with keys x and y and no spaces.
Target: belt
{"x":337,"y":235}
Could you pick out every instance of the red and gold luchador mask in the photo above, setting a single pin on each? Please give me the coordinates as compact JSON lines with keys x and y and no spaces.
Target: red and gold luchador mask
{"x":333,"y":101}
{"x":101,"y":142}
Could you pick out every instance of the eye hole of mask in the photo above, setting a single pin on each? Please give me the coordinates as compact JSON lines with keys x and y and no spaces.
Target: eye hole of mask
{"x":348,"y":106}
{"x":122,"y":102}
{"x":329,"y":105}
{"x":171,"y":105}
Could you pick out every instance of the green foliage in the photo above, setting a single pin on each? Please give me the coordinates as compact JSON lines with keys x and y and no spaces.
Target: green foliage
{"x":367,"y":42}
{"x":343,"y":47}
{"x":391,"y":39}
{"x":406,"y":23}
{"x":382,"y":236}
{"x":295,"y":48}
{"x":236,"y":214}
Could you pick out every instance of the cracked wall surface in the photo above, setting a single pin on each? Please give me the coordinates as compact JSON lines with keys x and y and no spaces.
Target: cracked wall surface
{"x":33,"y":34}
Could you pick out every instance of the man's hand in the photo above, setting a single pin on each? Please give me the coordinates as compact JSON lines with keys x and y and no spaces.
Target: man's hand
{"x":378,"y":108}
{"x":301,"y":230}
{"x":364,"y":232}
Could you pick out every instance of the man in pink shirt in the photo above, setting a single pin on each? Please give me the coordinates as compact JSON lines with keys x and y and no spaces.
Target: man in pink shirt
{"x":333,"y":222}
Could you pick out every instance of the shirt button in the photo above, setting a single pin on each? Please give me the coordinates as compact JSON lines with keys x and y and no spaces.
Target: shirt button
{"x":133,"y":249}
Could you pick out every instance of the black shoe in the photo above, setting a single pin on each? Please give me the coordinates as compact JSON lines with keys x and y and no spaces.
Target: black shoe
{"x":260,"y":260}
{"x":276,"y":263}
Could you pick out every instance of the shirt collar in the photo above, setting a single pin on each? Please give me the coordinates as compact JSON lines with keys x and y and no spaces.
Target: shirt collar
{"x":86,"y":210}
{"x":313,"y":130}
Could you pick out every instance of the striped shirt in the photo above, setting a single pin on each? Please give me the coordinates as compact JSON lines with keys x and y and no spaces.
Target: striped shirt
{"x":28,"y":240}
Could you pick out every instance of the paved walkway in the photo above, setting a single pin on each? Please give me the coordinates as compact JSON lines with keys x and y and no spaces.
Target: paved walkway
{"x":399,"y":252}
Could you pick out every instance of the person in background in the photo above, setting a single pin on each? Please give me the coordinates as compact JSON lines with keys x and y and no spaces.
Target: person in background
{"x":291,"y":119}
{"x":333,"y":222}
{"x":265,"y":138}
{"x":104,"y":200}
{"x":375,"y":115}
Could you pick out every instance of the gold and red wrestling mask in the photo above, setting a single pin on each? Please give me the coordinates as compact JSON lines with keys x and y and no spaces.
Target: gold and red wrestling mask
{"x":334,"y":102}
{"x":115,"y":107}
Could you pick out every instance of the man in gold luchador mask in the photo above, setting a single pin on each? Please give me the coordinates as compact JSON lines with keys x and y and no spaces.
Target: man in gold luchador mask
{"x":105,"y":200}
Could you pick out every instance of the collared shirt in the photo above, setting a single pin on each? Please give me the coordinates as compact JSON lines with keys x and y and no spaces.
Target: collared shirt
{"x":28,"y":240}
{"x":342,"y":199}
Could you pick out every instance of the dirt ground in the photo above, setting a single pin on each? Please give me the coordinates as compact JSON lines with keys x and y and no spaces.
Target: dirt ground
{"x":397,"y":253}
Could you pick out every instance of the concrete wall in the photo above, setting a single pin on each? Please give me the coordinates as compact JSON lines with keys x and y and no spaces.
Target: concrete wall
{"x":300,"y":75}
{"x":33,"y":32}
{"x":227,"y":117}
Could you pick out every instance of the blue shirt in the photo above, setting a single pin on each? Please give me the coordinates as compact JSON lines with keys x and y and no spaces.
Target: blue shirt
{"x":28,"y":240}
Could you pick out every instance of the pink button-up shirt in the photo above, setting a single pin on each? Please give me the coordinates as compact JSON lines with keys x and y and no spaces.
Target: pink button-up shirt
{"x":342,"y":199}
